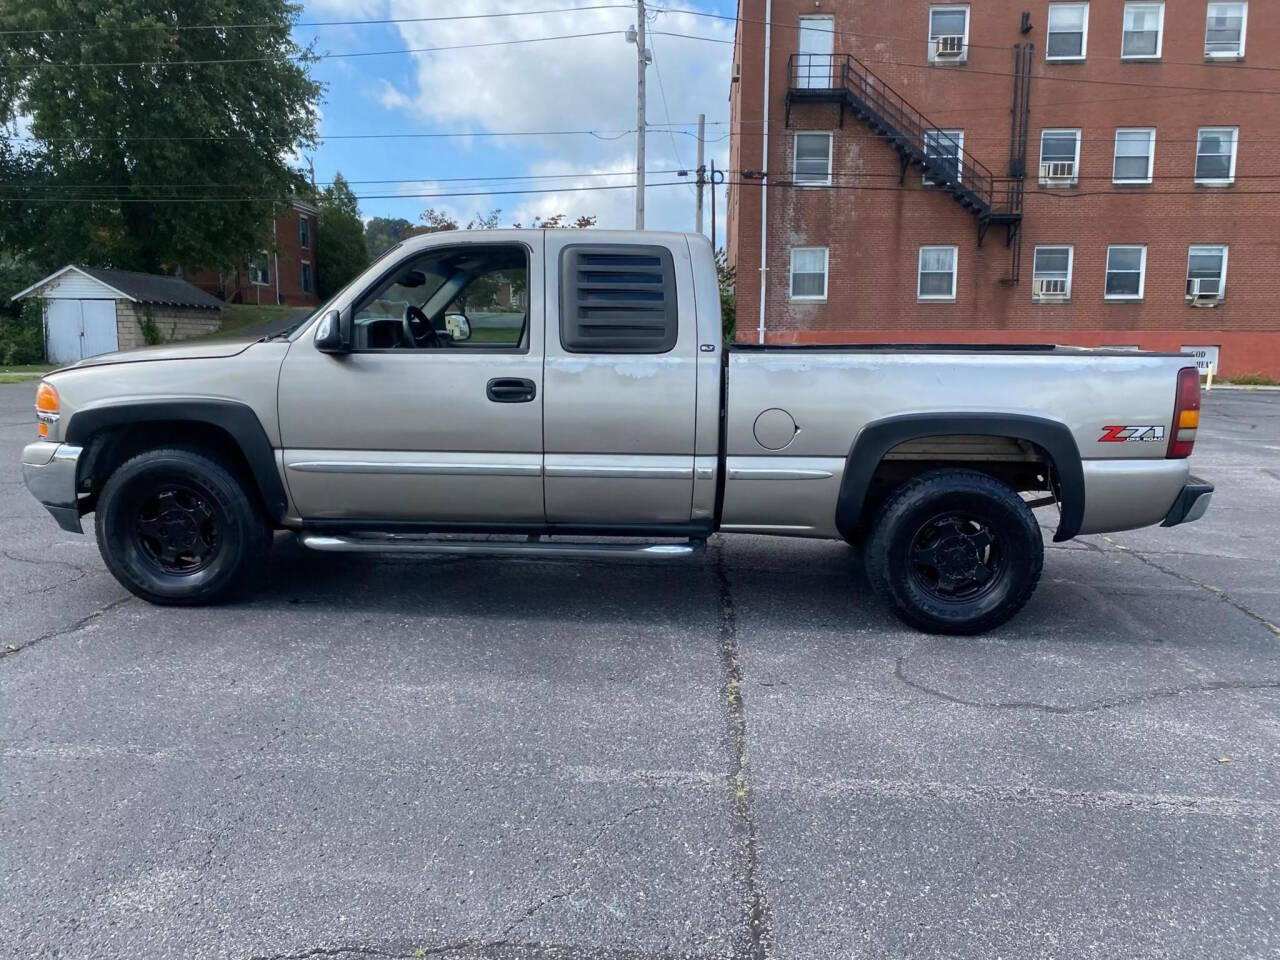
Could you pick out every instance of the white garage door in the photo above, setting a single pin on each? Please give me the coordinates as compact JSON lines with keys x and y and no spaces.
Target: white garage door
{"x":81,"y":328}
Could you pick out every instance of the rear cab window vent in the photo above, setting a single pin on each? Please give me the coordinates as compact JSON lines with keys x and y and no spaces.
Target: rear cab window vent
{"x":617,"y":299}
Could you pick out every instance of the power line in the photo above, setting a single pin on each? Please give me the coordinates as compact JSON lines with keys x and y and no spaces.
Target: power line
{"x":40,"y":31}
{"x":598,"y":134}
{"x":1058,"y":195}
{"x":369,"y":196}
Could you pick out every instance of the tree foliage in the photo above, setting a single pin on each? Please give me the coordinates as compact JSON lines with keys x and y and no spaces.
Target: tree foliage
{"x":340,"y":248}
{"x":120,"y":116}
{"x":383,"y":233}
{"x":727,"y":276}
{"x":438,"y":221}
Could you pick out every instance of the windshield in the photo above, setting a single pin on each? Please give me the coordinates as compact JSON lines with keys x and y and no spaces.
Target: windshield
{"x":295,"y":329}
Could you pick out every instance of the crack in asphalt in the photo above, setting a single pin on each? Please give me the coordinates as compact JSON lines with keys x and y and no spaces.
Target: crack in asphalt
{"x":1216,"y":591}
{"x":492,"y":950}
{"x":577,"y":861}
{"x":754,"y":944}
{"x":12,"y":649}
{"x":1166,"y":693}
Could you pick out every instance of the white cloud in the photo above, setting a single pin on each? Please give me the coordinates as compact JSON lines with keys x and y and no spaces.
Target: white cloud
{"x":578,"y":84}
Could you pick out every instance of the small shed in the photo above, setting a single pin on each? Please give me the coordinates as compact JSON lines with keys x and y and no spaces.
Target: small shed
{"x":89,"y":310}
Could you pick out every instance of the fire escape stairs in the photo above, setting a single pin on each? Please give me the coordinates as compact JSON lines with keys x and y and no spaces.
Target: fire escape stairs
{"x":842,"y":79}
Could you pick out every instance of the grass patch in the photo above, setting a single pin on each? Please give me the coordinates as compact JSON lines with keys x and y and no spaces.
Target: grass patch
{"x":243,"y":319}
{"x":25,"y":371}
{"x":1250,"y":380}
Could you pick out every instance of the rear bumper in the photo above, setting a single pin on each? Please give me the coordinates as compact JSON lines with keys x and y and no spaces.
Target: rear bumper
{"x":1191,"y":504}
{"x":49,"y":471}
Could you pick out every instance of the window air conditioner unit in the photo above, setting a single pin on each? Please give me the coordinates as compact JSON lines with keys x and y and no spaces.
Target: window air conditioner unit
{"x":1203,"y":290}
{"x":1058,"y":171}
{"x":949,"y":46}
{"x":1050,"y":288}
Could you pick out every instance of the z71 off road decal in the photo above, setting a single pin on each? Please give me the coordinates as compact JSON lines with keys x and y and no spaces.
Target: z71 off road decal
{"x":1127,"y":434}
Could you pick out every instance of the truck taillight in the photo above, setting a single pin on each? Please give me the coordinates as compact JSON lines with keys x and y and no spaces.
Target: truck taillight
{"x":1186,"y":414}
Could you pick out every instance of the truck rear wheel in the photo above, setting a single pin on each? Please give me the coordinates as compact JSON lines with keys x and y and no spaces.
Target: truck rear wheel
{"x":178,"y":526}
{"x":955,"y":551}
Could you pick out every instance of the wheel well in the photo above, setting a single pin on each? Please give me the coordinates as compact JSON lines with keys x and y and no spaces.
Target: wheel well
{"x":1021,"y":464}
{"x":110,"y":447}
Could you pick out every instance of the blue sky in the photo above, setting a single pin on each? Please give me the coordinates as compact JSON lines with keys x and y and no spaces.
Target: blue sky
{"x":573,"y":84}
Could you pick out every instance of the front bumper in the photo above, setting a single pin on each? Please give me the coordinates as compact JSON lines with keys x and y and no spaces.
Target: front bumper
{"x":1191,"y":504}
{"x":49,"y":470}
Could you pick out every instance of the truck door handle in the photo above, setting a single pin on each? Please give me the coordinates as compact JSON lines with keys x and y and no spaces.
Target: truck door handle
{"x":511,"y":390}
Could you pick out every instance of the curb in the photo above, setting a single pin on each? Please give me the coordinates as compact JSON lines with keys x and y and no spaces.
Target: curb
{"x":1260,"y":388}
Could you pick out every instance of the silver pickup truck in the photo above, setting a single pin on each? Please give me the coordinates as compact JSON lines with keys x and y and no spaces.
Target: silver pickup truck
{"x":565,"y":393}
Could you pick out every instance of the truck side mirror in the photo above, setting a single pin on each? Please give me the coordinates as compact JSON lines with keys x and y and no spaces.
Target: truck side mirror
{"x":332,"y":335}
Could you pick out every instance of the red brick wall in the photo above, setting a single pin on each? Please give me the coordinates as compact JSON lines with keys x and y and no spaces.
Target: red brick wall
{"x":874,"y":228}
{"x":284,"y":264}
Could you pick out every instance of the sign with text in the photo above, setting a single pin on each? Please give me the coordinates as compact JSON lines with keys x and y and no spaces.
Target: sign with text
{"x":1205,"y":357}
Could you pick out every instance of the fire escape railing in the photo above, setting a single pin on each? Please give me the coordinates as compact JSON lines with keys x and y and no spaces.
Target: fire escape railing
{"x":845,"y":79}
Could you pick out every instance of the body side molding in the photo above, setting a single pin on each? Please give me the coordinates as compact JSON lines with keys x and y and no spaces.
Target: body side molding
{"x":878,"y":438}
{"x":237,"y":419}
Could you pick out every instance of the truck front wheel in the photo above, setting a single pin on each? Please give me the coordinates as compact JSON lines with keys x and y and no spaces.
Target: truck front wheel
{"x":955,"y":551}
{"x":177,"y":526}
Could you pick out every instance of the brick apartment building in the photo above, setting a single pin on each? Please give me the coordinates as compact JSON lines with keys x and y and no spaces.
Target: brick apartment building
{"x":284,"y":274}
{"x":1151,"y":165}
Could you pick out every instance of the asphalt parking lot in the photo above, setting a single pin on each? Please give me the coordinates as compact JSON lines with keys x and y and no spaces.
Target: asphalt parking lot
{"x":744,"y":757}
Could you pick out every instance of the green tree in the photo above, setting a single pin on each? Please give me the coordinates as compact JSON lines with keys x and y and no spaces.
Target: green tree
{"x":383,"y":233}
{"x":129,"y":114}
{"x":340,"y":247}
{"x":727,"y":277}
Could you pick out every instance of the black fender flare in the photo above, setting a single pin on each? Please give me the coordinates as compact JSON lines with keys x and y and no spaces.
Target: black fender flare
{"x":237,"y":419}
{"x":879,"y":437}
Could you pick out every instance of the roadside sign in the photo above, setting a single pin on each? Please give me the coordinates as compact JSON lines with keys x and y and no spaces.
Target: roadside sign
{"x":1206,"y":358}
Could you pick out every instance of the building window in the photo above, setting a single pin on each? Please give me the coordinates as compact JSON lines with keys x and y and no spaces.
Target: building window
{"x":937,"y":276}
{"x":258,"y":270}
{"x":809,"y":273}
{"x":1068,"y":31}
{"x":812,"y":159}
{"x":1207,"y":273}
{"x":1224,"y":30}
{"x":304,"y":232}
{"x":947,"y":148}
{"x":948,"y":34}
{"x":1059,"y":157}
{"x":1135,"y":154}
{"x":1126,"y":272}
{"x":1143,"y":31}
{"x":306,"y":277}
{"x":1216,"y":155}
{"x":1051,"y":274}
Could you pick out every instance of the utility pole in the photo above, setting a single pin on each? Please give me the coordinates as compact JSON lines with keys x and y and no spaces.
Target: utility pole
{"x":636,"y":36}
{"x":702,"y":129}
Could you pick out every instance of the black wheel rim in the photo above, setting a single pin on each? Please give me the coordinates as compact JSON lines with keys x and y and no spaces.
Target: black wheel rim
{"x":176,"y":529}
{"x":956,"y":558}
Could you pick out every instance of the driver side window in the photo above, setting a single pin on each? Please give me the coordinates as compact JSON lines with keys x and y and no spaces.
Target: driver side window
{"x":467,"y":297}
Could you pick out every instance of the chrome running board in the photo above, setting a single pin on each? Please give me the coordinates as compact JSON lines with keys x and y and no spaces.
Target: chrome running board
{"x":406,"y":543}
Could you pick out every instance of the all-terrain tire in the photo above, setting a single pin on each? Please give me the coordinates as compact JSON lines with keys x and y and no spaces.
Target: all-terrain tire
{"x":954,"y":551}
{"x":180,"y":526}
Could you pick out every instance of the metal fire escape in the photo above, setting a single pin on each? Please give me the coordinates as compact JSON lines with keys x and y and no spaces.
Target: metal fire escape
{"x":845,"y":80}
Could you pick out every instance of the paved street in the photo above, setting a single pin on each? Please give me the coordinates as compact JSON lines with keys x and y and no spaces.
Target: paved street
{"x":742,"y":757}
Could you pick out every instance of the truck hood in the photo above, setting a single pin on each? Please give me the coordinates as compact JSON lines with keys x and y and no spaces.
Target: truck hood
{"x":170,"y":351}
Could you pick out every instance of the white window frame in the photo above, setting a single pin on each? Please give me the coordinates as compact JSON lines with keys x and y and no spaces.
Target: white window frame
{"x":1084,"y":36}
{"x":933,"y":46}
{"x":304,"y":227}
{"x":1075,"y":177}
{"x":1222,"y":277}
{"x":265,"y":271}
{"x":1142,"y":274}
{"x":1238,"y":53}
{"x":304,"y":267}
{"x":1151,"y":155}
{"x":795,"y":158}
{"x":1231,"y":176}
{"x":1071,"y":263}
{"x":958,"y":137}
{"x":1159,"y":30}
{"x":826,"y":274}
{"x":955,"y":273}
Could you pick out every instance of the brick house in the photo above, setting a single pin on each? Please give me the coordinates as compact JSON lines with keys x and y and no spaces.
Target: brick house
{"x":285,"y":274}
{"x":895,"y":135}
